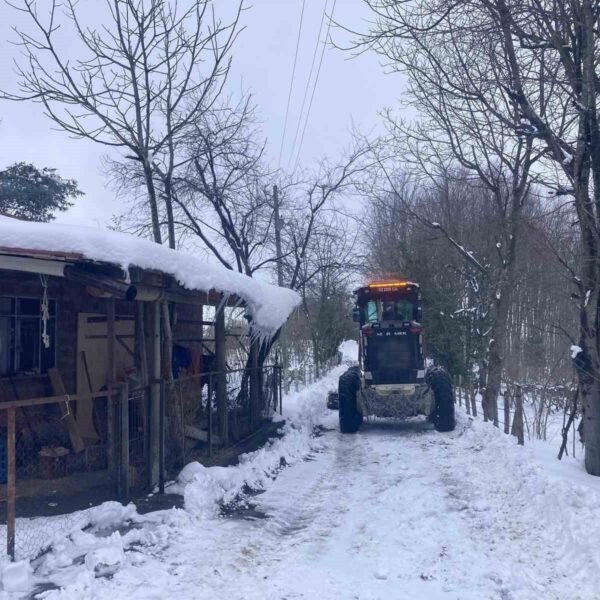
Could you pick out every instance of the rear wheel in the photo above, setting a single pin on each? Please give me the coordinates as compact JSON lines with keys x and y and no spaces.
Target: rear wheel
{"x":350,"y":417}
{"x":443,"y":407}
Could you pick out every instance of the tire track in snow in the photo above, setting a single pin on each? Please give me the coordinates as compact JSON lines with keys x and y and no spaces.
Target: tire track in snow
{"x":522,"y":561}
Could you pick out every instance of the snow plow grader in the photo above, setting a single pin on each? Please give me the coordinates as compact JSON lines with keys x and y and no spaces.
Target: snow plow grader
{"x":391,"y":379}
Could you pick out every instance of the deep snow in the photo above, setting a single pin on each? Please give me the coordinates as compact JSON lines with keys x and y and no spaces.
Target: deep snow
{"x":395,"y":511}
{"x":269,"y":305}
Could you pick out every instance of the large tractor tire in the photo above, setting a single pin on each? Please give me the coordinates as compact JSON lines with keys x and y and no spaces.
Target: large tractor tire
{"x":442,"y":415}
{"x":350,"y":417}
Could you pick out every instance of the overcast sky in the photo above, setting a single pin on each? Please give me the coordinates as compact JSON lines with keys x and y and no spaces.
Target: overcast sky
{"x":348,"y":91}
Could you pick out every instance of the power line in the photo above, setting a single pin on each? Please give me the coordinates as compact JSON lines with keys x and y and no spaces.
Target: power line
{"x":312,"y":66}
{"x":315,"y":85}
{"x":287,"y":108}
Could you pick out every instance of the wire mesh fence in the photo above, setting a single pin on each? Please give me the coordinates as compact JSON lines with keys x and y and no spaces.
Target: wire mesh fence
{"x":251,"y":396}
{"x":50,"y":475}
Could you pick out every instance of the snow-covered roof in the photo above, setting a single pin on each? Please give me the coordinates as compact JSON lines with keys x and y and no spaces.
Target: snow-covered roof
{"x":268,"y":304}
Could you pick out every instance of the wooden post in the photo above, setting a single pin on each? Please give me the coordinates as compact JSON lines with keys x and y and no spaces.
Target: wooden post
{"x":156,"y":404}
{"x":254,"y":385}
{"x":161,"y":437}
{"x":141,"y":353}
{"x":280,"y":384}
{"x":275,"y":384}
{"x":221,"y":376}
{"x":66,"y":410}
{"x":11,"y":484}
{"x":210,"y":416}
{"x":124,"y":423}
{"x":507,"y":410}
{"x":517,"y":424}
{"x":111,"y":376}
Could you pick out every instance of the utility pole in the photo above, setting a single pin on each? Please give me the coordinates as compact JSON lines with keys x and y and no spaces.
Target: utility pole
{"x":278,"y":227}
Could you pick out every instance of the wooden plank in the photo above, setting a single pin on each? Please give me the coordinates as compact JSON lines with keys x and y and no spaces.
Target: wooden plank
{"x":51,"y":400}
{"x":124,"y":470}
{"x":111,"y":449}
{"x":85,"y":408}
{"x":200,"y":435}
{"x":157,"y":399}
{"x":221,"y":377}
{"x":66,"y":413}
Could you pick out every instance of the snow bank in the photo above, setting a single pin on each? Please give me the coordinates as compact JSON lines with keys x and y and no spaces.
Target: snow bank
{"x":16,"y":577}
{"x":103,"y":539}
{"x":268,"y":304}
{"x":206,"y":489}
{"x":542,"y":492}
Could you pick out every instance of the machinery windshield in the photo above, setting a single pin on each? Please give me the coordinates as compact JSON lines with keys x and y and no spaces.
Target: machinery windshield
{"x":389,"y":310}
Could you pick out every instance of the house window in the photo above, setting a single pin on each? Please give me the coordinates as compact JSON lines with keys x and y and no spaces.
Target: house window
{"x":21,"y":347}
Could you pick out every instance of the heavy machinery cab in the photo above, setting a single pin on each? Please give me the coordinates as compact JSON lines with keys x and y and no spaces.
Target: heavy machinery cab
{"x":391,"y":341}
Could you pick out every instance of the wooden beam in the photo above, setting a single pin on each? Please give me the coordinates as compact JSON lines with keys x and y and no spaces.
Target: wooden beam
{"x":221,"y":390}
{"x":254,"y":384}
{"x":155,"y":396}
{"x":51,"y":400}
{"x":110,"y":381}
{"x":124,"y":437}
{"x":65,"y":409}
{"x":179,"y":295}
{"x":100,"y":283}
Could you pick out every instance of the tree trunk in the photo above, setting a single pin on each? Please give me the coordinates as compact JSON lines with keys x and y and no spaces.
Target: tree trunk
{"x":481,"y":386}
{"x":498,"y":334}
{"x":173,"y":408}
{"x":169,"y":207}
{"x":148,"y":175}
{"x":507,"y":411}
{"x":590,"y":400}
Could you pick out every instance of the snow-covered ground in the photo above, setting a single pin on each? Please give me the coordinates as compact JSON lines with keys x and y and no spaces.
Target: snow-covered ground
{"x":395,"y":511}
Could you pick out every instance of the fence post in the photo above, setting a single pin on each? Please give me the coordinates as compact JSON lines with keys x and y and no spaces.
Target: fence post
{"x":210,"y":416}
{"x":275,"y":386}
{"x":112,"y":454}
{"x":124,"y":425}
{"x":280,"y":383}
{"x":11,"y":485}
{"x":221,"y":374}
{"x":157,"y":395}
{"x":254,"y":385}
{"x":517,"y":424}
{"x":161,"y":437}
{"x":507,"y":410}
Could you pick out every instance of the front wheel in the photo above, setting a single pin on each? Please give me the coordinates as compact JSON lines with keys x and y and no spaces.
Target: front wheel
{"x":442,"y":415}
{"x":349,"y":415}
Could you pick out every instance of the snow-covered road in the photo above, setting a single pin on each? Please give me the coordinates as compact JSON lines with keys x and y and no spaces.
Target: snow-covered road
{"x":395,"y":511}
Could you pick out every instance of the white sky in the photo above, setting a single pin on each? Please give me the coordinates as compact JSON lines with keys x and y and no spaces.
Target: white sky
{"x":349,"y":91}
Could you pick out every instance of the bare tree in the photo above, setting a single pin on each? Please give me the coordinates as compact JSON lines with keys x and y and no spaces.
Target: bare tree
{"x":466,"y":113}
{"x":223,"y":194}
{"x":135,"y":81}
{"x":561,"y":40}
{"x":324,"y":281}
